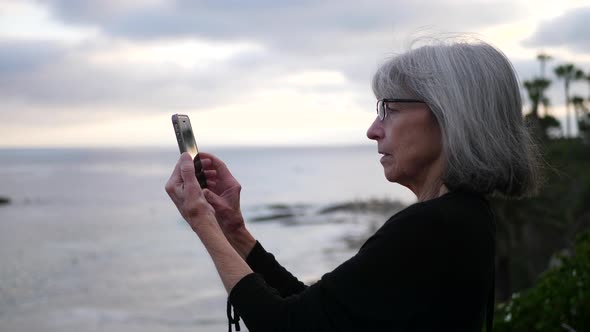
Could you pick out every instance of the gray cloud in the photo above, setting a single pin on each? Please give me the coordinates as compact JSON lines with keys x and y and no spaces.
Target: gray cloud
{"x":19,"y":57}
{"x":293,"y":25}
{"x":75,"y":81}
{"x":571,"y":30}
{"x":297,"y":35}
{"x":332,"y":35}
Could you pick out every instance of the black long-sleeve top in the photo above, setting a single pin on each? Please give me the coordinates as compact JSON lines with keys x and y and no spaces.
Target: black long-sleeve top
{"x":428,"y":268}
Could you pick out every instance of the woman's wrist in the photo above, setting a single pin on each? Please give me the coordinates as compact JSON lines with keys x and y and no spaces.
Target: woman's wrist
{"x":204,"y":224}
{"x":231,"y":267}
{"x":242,"y":241}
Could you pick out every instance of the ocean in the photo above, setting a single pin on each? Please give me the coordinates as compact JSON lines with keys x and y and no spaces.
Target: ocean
{"x":91,"y":241}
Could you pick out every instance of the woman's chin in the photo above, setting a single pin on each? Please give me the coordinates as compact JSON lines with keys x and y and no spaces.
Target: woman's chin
{"x":390,"y":176}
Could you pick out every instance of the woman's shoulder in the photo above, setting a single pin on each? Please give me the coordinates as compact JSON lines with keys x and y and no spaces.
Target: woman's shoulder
{"x":454,"y":201}
{"x":453,"y":222}
{"x":454,"y":209}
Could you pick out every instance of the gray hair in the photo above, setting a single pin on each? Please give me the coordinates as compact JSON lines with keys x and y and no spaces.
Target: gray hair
{"x":472,"y":90}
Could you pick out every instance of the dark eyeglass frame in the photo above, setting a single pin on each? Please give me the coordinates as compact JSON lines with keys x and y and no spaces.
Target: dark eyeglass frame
{"x":382,"y":112}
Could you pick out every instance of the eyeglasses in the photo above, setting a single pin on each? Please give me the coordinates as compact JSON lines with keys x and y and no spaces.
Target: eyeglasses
{"x":382,"y":105}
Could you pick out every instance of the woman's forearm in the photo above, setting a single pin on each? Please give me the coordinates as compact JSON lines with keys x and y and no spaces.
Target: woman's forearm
{"x":228,"y":262}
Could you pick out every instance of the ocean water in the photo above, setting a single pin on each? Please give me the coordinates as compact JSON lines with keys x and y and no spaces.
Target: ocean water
{"x":91,"y":241}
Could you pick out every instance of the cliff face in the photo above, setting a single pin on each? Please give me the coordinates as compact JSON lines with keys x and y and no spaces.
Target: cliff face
{"x":531,"y":231}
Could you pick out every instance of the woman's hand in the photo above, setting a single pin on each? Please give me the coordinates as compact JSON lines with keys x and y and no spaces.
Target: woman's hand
{"x":186,"y":193}
{"x":223,"y":194}
{"x":184,"y":190}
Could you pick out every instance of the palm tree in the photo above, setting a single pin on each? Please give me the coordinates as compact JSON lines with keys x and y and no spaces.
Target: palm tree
{"x":582,"y":116}
{"x":535,"y":90}
{"x":579,"y":107}
{"x":568,"y":72}
{"x":543,"y":58}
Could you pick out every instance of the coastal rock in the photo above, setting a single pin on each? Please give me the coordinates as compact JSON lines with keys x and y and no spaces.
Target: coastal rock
{"x":4,"y":200}
{"x":281,"y":212}
{"x":369,"y":206}
{"x":309,"y":214}
{"x":277,"y":216}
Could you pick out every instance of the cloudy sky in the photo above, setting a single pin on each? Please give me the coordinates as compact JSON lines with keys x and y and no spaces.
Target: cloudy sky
{"x":259,"y":72}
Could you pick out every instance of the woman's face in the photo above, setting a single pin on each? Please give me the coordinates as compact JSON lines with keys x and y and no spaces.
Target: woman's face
{"x":410,"y":141}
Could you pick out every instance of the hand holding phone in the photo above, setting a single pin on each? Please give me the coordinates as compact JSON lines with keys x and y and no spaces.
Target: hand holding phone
{"x":186,"y":143}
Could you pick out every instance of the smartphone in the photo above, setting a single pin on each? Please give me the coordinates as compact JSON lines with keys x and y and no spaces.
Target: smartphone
{"x":186,"y":143}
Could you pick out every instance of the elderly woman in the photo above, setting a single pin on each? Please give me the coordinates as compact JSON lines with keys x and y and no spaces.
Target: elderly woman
{"x":449,"y":127}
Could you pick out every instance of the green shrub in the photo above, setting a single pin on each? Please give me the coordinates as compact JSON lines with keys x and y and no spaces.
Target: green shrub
{"x":559,"y":301}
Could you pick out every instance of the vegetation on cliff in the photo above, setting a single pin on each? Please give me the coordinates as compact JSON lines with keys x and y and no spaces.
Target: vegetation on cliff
{"x":542,"y":271}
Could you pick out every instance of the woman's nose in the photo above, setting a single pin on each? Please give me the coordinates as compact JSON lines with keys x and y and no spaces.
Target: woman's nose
{"x":375,"y":131}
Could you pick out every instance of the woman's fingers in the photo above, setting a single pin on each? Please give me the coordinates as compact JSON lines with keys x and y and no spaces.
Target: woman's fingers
{"x":219,"y":178}
{"x":205,"y":155}
{"x":211,"y":174}
{"x":206,"y":163}
{"x":214,"y":163}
